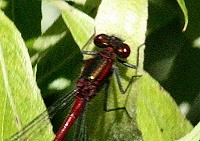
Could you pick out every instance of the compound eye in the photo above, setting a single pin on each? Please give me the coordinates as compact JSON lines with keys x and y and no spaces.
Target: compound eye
{"x":123,"y":51}
{"x":101,"y":40}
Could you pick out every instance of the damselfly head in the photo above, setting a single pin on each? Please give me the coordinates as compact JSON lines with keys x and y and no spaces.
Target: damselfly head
{"x":104,"y":41}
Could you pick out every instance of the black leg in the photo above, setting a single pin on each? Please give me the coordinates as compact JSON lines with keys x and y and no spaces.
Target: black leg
{"x":106,"y":96}
{"x":89,"y":40}
{"x":116,"y":73}
{"x":105,"y":106}
{"x":127,"y":64}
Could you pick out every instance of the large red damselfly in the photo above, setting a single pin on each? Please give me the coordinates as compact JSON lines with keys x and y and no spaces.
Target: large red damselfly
{"x":94,"y":74}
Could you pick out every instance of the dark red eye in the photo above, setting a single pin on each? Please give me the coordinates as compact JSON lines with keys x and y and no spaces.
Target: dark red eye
{"x":102,"y":40}
{"x":123,"y":51}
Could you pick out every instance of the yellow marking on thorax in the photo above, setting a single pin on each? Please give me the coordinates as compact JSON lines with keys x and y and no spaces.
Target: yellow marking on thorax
{"x":95,"y":74}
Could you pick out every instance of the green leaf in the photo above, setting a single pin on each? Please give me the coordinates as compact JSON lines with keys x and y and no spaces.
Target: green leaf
{"x":80,"y":24}
{"x":3,"y":4}
{"x":194,"y":135}
{"x":185,"y":12}
{"x":20,"y":97}
{"x":158,"y":116}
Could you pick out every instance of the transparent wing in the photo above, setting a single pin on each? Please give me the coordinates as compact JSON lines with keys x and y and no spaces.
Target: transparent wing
{"x":37,"y":126}
{"x":80,"y":133}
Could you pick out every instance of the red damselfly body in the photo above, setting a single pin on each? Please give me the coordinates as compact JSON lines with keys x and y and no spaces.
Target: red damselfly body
{"x":93,"y":76}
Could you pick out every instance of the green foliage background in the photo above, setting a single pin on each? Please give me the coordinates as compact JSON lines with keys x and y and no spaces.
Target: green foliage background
{"x":171,"y":58}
